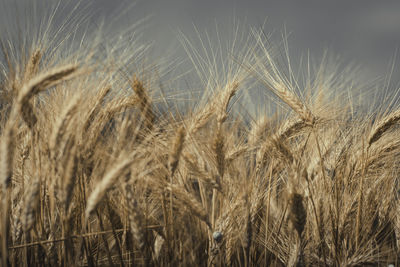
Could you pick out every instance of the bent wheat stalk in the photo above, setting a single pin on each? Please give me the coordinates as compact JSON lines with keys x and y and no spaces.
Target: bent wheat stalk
{"x":38,"y":84}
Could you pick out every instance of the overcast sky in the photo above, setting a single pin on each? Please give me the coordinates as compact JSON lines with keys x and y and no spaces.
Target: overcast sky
{"x":366,"y":32}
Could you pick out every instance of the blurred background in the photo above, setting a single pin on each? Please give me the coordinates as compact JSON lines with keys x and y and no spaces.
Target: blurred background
{"x":363,"y":32}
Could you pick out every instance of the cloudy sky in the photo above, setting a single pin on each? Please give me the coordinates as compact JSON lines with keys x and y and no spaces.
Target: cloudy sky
{"x":366,"y":32}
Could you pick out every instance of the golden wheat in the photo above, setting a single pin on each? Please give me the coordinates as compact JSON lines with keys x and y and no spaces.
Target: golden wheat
{"x":98,"y":169}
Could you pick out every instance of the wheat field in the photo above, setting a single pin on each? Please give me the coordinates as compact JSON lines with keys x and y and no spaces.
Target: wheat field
{"x":101,"y":167}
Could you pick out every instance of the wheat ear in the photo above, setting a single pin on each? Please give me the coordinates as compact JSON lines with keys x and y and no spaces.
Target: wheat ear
{"x":218,"y":105}
{"x":258,"y":130}
{"x":145,"y":103}
{"x":60,"y":127}
{"x":297,"y":217}
{"x":6,"y":155}
{"x":104,"y":185}
{"x":30,"y":205}
{"x":382,"y":126}
{"x":37,"y":84}
{"x":298,"y":214}
{"x":33,"y":64}
{"x":136,"y":217}
{"x":176,"y":150}
{"x":96,"y":107}
{"x":225,"y":98}
{"x":188,"y":201}
{"x":69,"y":178}
{"x":294,"y":102}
